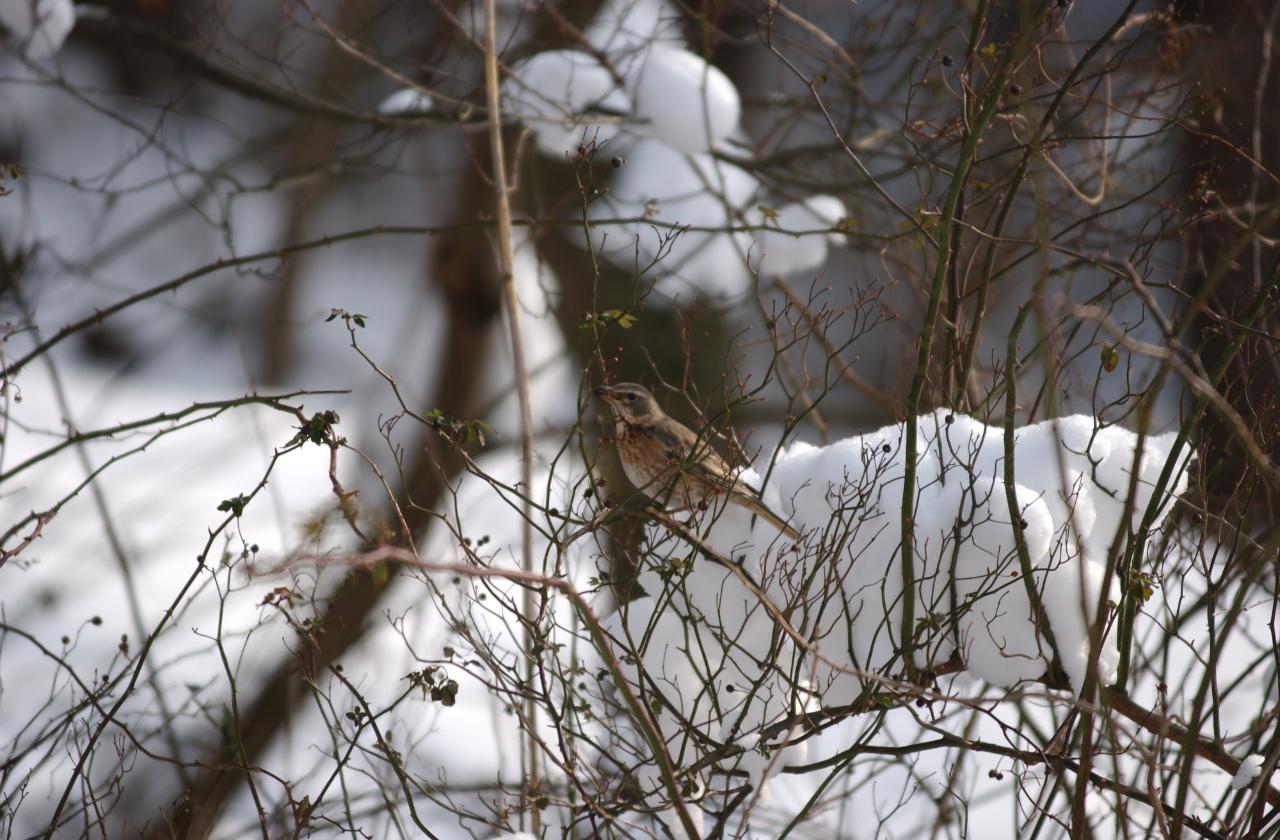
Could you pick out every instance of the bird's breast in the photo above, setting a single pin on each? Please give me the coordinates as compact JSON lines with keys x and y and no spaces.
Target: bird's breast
{"x":652,"y":466}
{"x":641,"y":459}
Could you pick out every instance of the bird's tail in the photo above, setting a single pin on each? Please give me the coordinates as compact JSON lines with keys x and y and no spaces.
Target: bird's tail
{"x":761,"y":509}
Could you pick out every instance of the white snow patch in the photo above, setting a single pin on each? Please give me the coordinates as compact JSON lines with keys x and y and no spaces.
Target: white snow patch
{"x":660,"y":184}
{"x":406,"y":101}
{"x":702,"y":639}
{"x":1250,"y":769}
{"x":1072,"y":477}
{"x":553,"y":379}
{"x":551,"y":90}
{"x":802,"y":239}
{"x":625,"y":29}
{"x":684,"y":101}
{"x":39,"y":27}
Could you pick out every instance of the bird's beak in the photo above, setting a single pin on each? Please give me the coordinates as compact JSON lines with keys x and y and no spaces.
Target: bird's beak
{"x":604,"y":392}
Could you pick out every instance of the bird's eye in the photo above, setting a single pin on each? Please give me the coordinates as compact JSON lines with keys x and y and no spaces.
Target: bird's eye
{"x":631,"y":397}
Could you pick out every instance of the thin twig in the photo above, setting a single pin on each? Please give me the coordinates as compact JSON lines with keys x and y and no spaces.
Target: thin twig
{"x":511,"y":303}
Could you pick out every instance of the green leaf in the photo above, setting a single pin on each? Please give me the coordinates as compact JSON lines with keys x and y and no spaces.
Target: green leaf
{"x":1110,"y":358}
{"x":1142,"y":585}
{"x":318,"y":430}
{"x":234,"y":505}
{"x":603,"y":319}
{"x":459,"y":431}
{"x":349,"y":317}
{"x":476,"y":430}
{"x":446,"y":693}
{"x":768,"y":212}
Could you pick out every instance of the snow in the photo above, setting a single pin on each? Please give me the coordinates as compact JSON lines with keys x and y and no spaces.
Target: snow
{"x":704,"y":664}
{"x":625,"y":29}
{"x":1250,"y":769}
{"x":39,"y":27}
{"x":158,"y":505}
{"x":828,"y":210}
{"x":658,"y":183}
{"x":675,"y":96}
{"x":683,"y":101}
{"x":702,"y":640}
{"x":552,"y":376}
{"x":795,"y":247}
{"x":674,"y":104}
{"x":476,"y":615}
{"x":1071,"y":480}
{"x":680,"y":108}
{"x":405,"y":101}
{"x":551,"y":90}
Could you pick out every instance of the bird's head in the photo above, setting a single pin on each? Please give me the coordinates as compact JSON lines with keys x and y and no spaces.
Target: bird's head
{"x":631,"y":403}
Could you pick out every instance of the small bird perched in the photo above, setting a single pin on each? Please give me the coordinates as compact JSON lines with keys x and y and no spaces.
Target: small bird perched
{"x":663,"y":458}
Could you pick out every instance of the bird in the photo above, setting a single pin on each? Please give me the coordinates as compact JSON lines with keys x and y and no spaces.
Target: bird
{"x":666,"y":460}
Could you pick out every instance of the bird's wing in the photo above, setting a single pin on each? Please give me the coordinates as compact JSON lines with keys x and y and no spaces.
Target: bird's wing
{"x":696,"y":456}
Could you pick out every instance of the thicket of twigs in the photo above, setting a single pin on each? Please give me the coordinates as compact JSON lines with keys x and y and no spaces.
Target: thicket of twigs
{"x":312,"y":526}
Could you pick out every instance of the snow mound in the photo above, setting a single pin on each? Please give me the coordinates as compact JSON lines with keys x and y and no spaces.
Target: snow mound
{"x":405,"y":102}
{"x":715,"y":676}
{"x":39,"y":27}
{"x":659,"y":185}
{"x":704,"y":652}
{"x":683,"y":101}
{"x":551,"y":91}
{"x":795,"y":247}
{"x":1072,"y":477}
{"x":1250,"y":769}
{"x":708,"y":653}
{"x":626,"y":29}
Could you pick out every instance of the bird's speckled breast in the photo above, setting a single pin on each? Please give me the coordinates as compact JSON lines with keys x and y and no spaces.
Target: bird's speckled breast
{"x":652,"y":467}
